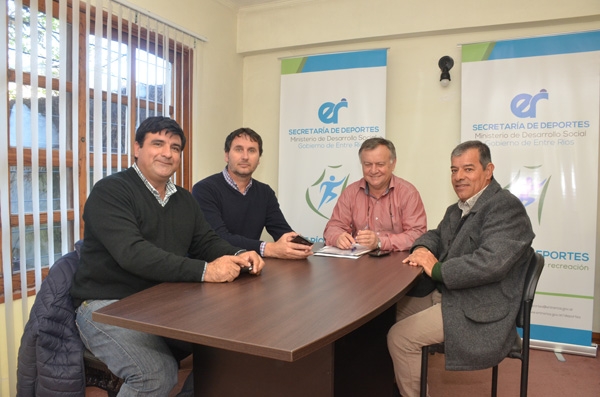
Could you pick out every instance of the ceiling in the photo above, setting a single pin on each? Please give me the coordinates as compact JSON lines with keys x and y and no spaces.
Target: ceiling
{"x":245,"y":3}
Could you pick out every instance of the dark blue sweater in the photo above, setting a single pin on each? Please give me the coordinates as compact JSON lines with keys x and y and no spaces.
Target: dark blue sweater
{"x":237,"y":218}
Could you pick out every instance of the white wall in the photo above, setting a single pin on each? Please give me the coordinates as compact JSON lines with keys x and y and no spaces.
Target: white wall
{"x":423,"y":118}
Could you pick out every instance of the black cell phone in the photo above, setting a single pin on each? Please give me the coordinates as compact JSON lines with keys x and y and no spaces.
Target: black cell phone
{"x":379,"y":253}
{"x":301,"y":240}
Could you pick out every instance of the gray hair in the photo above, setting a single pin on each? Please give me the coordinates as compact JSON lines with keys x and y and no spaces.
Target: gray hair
{"x":372,"y":143}
{"x":485,"y":157}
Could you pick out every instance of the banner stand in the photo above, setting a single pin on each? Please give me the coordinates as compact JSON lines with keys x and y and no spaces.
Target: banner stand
{"x":589,"y":351}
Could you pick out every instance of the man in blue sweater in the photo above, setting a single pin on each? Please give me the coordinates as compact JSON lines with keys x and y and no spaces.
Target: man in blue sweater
{"x":238,"y":207}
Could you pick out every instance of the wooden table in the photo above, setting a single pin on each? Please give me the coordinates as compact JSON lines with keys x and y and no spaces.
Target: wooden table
{"x":314,"y":327}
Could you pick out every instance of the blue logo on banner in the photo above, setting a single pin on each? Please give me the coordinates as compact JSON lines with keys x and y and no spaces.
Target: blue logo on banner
{"x":524,"y":105}
{"x":328,"y":112}
{"x":328,"y":186}
{"x":328,"y":189}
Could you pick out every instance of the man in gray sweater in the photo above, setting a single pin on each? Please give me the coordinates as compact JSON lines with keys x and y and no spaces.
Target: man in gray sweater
{"x":477,"y":259}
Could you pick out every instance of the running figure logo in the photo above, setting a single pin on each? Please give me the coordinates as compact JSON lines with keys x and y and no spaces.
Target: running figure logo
{"x":327,"y":188}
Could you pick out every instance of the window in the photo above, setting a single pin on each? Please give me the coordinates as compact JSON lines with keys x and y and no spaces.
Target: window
{"x":76,"y":91}
{"x":81,"y":76}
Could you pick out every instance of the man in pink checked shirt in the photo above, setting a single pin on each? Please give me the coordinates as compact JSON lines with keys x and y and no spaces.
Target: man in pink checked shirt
{"x":381,"y":210}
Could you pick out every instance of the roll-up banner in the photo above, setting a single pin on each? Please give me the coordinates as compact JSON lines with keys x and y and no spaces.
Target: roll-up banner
{"x":330,"y":104}
{"x":535,"y":102}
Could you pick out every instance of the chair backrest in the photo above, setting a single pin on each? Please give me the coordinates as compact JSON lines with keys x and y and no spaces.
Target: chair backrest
{"x":534,"y":271}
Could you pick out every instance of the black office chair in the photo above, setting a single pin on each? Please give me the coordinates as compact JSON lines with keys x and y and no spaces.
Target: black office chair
{"x":520,"y":349}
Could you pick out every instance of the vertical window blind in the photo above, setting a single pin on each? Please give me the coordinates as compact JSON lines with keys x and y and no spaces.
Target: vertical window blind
{"x":81,"y":77}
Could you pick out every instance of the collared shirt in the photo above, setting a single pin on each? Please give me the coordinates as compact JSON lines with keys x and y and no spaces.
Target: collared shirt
{"x":398,"y":216}
{"x":467,"y":206}
{"x":169,"y":190}
{"x":368,"y":191}
{"x":234,"y":185}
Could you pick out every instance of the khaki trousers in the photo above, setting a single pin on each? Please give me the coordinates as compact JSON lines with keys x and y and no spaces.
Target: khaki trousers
{"x":419,"y":324}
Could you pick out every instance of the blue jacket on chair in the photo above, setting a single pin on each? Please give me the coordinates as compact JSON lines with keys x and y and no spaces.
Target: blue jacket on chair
{"x":50,"y":358}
